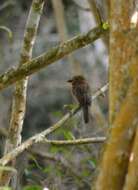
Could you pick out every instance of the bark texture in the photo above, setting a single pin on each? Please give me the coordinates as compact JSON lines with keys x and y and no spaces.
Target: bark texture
{"x":123,"y":94}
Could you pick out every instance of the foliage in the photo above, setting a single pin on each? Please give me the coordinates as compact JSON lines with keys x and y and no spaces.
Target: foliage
{"x":34,"y":187}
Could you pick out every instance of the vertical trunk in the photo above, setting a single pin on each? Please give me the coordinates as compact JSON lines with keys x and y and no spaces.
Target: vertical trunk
{"x":123,"y":94}
{"x":131,"y":182}
{"x":19,"y":97}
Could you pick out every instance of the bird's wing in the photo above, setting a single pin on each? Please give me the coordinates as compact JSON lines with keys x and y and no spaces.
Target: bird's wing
{"x":82,"y":93}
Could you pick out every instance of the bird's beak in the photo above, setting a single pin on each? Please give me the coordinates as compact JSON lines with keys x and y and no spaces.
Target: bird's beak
{"x":69,"y":80}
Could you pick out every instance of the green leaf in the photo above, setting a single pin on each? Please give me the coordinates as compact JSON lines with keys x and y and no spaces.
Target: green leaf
{"x":70,"y":106}
{"x":54,"y":149}
{"x":68,"y":135}
{"x":48,"y":169}
{"x":58,"y":172}
{"x":85,"y":173}
{"x":34,"y":187}
{"x":93,"y":163}
{"x":57,"y":149}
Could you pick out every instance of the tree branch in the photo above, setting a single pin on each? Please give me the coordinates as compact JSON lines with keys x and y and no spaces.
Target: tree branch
{"x":95,"y":11}
{"x":76,"y":141}
{"x":51,"y":56}
{"x":41,"y":136}
{"x":19,"y":95}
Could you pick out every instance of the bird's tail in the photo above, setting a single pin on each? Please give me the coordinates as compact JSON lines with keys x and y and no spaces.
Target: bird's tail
{"x":86,"y":113}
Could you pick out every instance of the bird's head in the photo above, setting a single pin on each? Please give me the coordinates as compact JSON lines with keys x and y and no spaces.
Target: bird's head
{"x":78,"y":78}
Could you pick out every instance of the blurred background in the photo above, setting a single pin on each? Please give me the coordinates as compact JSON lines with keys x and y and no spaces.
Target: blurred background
{"x":48,"y":92}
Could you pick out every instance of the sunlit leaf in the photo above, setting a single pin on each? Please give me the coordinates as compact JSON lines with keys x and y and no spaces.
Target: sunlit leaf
{"x":70,"y":106}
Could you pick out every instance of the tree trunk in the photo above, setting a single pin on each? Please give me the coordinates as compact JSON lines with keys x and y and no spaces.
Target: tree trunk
{"x":123,"y":99}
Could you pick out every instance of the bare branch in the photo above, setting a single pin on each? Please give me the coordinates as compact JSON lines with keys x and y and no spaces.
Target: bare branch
{"x":19,"y":96}
{"x":51,"y":56}
{"x":76,"y":141}
{"x":41,"y":136}
{"x":98,"y":15}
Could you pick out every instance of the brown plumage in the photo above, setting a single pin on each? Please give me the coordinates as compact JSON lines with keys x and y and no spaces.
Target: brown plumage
{"x":81,"y":90}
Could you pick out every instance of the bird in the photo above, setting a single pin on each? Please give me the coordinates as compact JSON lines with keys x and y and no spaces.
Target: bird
{"x":81,"y":91}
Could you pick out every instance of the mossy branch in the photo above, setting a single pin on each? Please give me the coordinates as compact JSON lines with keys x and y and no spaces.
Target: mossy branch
{"x":52,"y":55}
{"x":19,"y":96}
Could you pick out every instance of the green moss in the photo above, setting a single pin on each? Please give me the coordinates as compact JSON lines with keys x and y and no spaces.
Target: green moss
{"x":28,"y":38}
{"x":24,"y":58}
{"x":31,"y":31}
{"x":105,"y":25}
{"x":37,"y":6}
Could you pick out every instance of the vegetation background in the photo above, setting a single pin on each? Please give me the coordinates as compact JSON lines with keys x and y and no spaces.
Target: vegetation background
{"x":57,"y":167}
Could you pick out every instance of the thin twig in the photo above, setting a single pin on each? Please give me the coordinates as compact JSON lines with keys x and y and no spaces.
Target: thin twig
{"x":76,"y":141}
{"x":95,"y":11}
{"x":41,"y":136}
